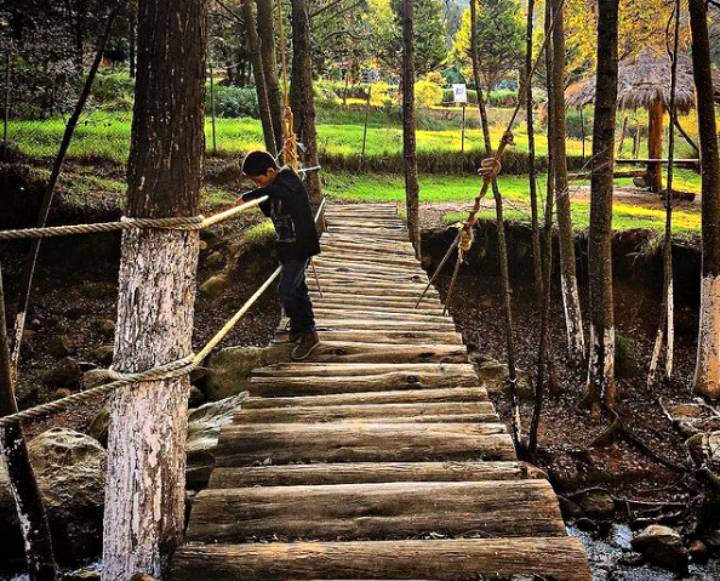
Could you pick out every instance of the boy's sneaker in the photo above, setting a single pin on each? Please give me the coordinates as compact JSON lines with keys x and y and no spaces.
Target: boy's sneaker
{"x":305,"y":346}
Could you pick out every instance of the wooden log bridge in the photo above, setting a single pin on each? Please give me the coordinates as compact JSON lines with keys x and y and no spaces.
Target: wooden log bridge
{"x":379,"y":458}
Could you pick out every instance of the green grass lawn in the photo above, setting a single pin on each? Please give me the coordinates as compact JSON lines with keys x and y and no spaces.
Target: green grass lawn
{"x":515,"y":192}
{"x":102,"y":135}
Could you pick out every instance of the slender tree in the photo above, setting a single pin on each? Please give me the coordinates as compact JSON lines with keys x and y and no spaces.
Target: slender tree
{"x":248,"y":11}
{"x":568,"y":275}
{"x":475,"y":58}
{"x":303,"y":102}
{"x":412,"y":188}
{"x":266,"y":32}
{"x":665,"y":332}
{"x":31,"y":514}
{"x":145,"y":495}
{"x":601,"y":360}
{"x":532,"y":177}
{"x":707,"y":369}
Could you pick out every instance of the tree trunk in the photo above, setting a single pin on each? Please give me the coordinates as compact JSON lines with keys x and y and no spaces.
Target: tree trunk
{"x":568,"y":276}
{"x":23,"y":486}
{"x":266,"y":31}
{"x":475,"y":58}
{"x":132,"y":23}
{"x":707,"y":370}
{"x":412,"y":188}
{"x":655,"y":145}
{"x":302,"y":74}
{"x":145,"y":495}
{"x":601,"y":360}
{"x":537,"y":257}
{"x":259,"y":74}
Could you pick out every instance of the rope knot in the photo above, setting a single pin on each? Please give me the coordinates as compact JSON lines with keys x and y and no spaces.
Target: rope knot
{"x":490,"y":167}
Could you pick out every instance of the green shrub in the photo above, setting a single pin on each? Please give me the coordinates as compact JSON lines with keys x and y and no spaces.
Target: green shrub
{"x":233,"y":101}
{"x":428,"y":93}
{"x":573,"y":126}
{"x":113,"y":91}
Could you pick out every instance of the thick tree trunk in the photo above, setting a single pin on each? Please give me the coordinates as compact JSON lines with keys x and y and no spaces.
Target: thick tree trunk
{"x":259,"y":74}
{"x":655,"y":145}
{"x":532,"y":177}
{"x":601,"y":360}
{"x":145,"y":496}
{"x":412,"y":188}
{"x":302,"y":74}
{"x":707,"y":370}
{"x":475,"y":58}
{"x":23,"y":486}
{"x":568,"y":276}
{"x":266,"y":31}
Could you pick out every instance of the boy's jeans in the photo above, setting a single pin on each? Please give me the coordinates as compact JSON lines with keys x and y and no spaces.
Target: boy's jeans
{"x":294,"y":296}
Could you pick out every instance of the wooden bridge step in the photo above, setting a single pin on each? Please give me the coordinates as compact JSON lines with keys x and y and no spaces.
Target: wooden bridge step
{"x":332,"y":311}
{"x":372,"y":305}
{"x":390,"y":510}
{"x":241,"y":445}
{"x":560,"y":558}
{"x":352,"y":300}
{"x":350,"y":351}
{"x":351,"y":322}
{"x":350,"y":369}
{"x":316,"y":385}
{"x":385,"y":280}
{"x":454,"y":394}
{"x":481,"y":411}
{"x":371,"y":289}
{"x":368,"y":472}
{"x":389,"y":336}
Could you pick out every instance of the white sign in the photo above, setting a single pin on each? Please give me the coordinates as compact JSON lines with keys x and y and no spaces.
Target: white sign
{"x":460,"y":93}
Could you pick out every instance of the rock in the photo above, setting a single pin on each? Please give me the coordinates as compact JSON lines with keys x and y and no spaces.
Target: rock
{"x":203,"y":246}
{"x":28,"y":334}
{"x":196,"y":397}
{"x":204,"y":424}
{"x":83,"y":575}
{"x":103,"y":355}
{"x":662,"y":546}
{"x":215,"y":260}
{"x":698,"y":550}
{"x":106,"y":328}
{"x":596,"y":503}
{"x":94,"y":378}
{"x":70,"y":469}
{"x":66,"y":373}
{"x":215,"y":286}
{"x":229,"y":370}
{"x":61,"y":393}
{"x":712,"y":539}
{"x":494,"y":376}
{"x":142,"y":577}
{"x":585,"y":524}
{"x":570,"y":510}
{"x":60,"y":346}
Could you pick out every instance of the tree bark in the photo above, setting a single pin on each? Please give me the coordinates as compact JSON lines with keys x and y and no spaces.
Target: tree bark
{"x":707,"y":370}
{"x":532,"y":177}
{"x":302,"y":76}
{"x":412,"y":188}
{"x":568,"y":276}
{"x":259,"y":74}
{"x":601,"y":360}
{"x":655,"y":145}
{"x":266,"y":31}
{"x":31,"y":514}
{"x":475,"y":58}
{"x":145,"y":496}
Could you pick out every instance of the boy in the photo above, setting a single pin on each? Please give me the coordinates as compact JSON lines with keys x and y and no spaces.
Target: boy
{"x":297,"y":241}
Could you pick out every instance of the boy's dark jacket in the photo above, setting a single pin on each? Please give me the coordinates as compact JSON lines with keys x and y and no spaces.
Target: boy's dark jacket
{"x":288,"y":207}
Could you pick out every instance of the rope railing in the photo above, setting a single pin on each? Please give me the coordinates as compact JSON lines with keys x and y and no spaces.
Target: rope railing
{"x":174,"y":369}
{"x":125,"y":223}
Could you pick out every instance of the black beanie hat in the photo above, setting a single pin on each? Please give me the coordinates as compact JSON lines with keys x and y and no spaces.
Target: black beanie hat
{"x":257,"y":163}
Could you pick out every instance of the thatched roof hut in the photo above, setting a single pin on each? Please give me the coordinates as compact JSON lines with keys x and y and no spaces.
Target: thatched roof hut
{"x":644,"y":83}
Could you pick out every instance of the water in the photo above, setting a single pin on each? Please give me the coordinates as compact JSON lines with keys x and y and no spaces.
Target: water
{"x":611,"y":559}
